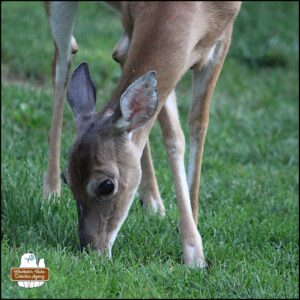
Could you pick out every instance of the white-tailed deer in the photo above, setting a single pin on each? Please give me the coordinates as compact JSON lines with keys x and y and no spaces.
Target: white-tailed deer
{"x":111,"y":156}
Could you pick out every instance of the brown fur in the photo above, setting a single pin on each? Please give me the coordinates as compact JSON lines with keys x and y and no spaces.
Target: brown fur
{"x":170,"y":38}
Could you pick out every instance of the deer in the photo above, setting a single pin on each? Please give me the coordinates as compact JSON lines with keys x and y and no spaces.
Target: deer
{"x":111,"y":157}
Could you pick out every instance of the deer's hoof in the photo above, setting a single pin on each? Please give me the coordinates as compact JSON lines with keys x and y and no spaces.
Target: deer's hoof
{"x":51,"y":187}
{"x":194,"y":257}
{"x":153,"y":205}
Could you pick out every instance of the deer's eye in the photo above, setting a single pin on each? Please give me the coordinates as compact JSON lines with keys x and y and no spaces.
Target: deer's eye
{"x":105,"y":188}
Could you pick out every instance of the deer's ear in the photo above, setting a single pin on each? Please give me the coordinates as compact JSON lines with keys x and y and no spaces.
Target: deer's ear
{"x":138,"y":103}
{"x":81,"y":92}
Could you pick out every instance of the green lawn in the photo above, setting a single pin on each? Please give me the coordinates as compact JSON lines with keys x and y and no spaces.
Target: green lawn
{"x":249,"y":196}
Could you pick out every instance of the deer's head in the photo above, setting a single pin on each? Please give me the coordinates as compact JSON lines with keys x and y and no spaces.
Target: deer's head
{"x":104,"y":167}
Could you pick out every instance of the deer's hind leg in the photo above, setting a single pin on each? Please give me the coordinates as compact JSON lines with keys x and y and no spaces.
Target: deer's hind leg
{"x":204,"y":81}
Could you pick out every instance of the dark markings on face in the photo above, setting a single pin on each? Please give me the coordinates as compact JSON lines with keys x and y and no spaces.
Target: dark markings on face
{"x":80,"y":165}
{"x":83,"y":154}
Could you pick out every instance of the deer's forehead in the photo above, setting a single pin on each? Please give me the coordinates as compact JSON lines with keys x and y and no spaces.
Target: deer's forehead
{"x":97,"y":151}
{"x":95,"y":148}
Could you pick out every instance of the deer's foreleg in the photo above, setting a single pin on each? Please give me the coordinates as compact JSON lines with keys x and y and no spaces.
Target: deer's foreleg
{"x":175,"y":146}
{"x":61,"y":17}
{"x":149,"y":191}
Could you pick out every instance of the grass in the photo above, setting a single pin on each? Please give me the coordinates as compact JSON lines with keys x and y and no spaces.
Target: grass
{"x":249,"y":197}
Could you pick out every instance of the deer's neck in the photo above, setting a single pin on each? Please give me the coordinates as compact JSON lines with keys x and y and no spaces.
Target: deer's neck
{"x":160,"y":40}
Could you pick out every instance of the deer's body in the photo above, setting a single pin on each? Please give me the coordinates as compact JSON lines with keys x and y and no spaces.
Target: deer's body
{"x":162,"y":40}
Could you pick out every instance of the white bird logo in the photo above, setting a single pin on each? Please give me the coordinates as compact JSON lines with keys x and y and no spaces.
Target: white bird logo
{"x":28,"y":260}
